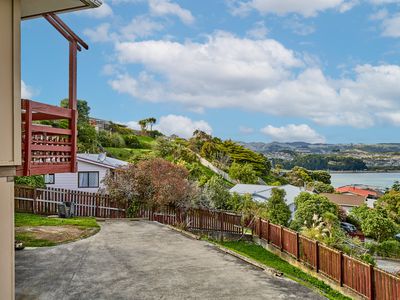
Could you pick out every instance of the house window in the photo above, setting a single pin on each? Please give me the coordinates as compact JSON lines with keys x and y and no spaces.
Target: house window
{"x":49,"y":179}
{"x":88,"y":179}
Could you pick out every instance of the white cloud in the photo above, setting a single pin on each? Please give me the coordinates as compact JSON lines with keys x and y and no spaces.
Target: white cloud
{"x":293,"y":133}
{"x":392,"y":117}
{"x":307,"y":8}
{"x":391,"y":26}
{"x":140,"y":26}
{"x":103,"y":11}
{"x":99,"y":34}
{"x":181,"y":126}
{"x":26,"y":91}
{"x":259,"y":31}
{"x":255,"y":75}
{"x":166,"y":7}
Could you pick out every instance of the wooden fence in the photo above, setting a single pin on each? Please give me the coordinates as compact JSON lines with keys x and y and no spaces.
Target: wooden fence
{"x":364,"y":279}
{"x":196,"y":219}
{"x":45,"y":202}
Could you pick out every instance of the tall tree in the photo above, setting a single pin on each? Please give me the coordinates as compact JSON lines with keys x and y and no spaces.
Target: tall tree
{"x":277,"y":210}
{"x":151,"y":121}
{"x":243,"y":173}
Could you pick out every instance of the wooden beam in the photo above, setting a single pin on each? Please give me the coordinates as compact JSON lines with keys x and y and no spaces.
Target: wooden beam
{"x":38,"y":107}
{"x":51,"y":130}
{"x":50,"y":169}
{"x":50,"y":148}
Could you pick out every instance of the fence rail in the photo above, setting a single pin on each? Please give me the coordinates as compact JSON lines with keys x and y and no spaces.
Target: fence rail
{"x":367,"y":281}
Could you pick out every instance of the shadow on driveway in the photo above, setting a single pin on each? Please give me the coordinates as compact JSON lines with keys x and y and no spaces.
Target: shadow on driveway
{"x":144,"y":260}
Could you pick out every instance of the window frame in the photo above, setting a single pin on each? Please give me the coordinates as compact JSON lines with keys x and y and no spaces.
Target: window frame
{"x":52,"y":176}
{"x":87,"y":173}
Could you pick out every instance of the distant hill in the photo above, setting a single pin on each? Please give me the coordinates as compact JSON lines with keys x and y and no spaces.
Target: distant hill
{"x":381,"y":156}
{"x":303,"y":147}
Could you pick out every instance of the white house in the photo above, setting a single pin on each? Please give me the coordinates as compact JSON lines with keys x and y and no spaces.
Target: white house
{"x":92,"y":168}
{"x":262,"y":193}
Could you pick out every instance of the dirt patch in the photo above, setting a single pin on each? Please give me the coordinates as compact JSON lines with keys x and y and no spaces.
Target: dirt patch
{"x":57,"y":234}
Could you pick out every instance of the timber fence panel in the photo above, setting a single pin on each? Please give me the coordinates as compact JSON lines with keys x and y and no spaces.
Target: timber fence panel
{"x":289,"y":241}
{"x":330,"y":262}
{"x":387,"y":286}
{"x":307,"y":251}
{"x":356,"y":276}
{"x":275,"y":234}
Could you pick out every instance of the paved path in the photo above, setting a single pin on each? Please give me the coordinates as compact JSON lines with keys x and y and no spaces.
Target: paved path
{"x":144,"y":260}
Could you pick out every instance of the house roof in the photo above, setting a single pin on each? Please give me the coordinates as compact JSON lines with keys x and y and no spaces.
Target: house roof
{"x":263,"y":192}
{"x":36,"y":8}
{"x":358,"y":191}
{"x":345,"y":200}
{"x":98,"y":159}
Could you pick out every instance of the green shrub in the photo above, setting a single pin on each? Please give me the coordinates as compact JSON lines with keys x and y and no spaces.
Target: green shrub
{"x":36,"y":181}
{"x":388,"y":249}
{"x":131,"y":141}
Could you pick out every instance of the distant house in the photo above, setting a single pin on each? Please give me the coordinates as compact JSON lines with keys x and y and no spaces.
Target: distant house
{"x":262,"y":193}
{"x":346,"y":201}
{"x":92,"y":168}
{"x":371,"y":194}
{"x":100,"y":124}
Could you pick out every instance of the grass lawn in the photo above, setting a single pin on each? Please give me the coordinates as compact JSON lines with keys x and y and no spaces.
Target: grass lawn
{"x":80,"y":227}
{"x":269,"y":259}
{"x":125,"y":153}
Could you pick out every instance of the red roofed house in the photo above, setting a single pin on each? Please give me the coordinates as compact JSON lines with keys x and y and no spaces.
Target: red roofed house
{"x":368,"y":192}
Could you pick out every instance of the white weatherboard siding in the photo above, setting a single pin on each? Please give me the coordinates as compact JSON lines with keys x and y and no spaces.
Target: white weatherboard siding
{"x":70,"y":180}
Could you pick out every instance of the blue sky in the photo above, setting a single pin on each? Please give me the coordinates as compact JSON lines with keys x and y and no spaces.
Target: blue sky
{"x":250,"y":70}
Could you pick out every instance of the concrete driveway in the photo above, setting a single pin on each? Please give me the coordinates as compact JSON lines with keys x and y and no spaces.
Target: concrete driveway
{"x":144,"y":260}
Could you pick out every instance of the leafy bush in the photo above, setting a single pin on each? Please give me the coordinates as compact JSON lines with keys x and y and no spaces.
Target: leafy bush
{"x":320,"y":187}
{"x":131,"y":141}
{"x":107,"y":139}
{"x":309,"y":205}
{"x":374,"y":222}
{"x":244,"y":173}
{"x":389,"y":249}
{"x":36,"y":181}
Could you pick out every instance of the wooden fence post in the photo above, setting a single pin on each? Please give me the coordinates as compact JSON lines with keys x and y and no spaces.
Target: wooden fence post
{"x":341,"y":268}
{"x":201,"y":217}
{"x":281,"y":238}
{"x":297,"y":246}
{"x":267,"y":231}
{"x":222,"y":226}
{"x":222,"y":221}
{"x":34,"y":204}
{"x":259,"y":228}
{"x":316,"y":256}
{"x":371,"y":283}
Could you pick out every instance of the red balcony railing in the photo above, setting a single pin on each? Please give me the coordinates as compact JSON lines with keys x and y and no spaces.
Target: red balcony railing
{"x":47,"y":149}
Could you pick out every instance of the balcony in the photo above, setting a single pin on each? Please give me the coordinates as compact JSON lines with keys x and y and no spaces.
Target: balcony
{"x":47,"y":149}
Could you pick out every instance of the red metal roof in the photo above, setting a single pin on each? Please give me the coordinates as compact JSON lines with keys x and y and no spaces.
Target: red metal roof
{"x":357,"y":191}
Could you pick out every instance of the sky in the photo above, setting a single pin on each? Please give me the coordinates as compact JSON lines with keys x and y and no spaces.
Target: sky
{"x":248,"y":70}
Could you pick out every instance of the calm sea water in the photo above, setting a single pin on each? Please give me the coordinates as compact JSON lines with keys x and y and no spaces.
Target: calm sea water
{"x":375,"y":179}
